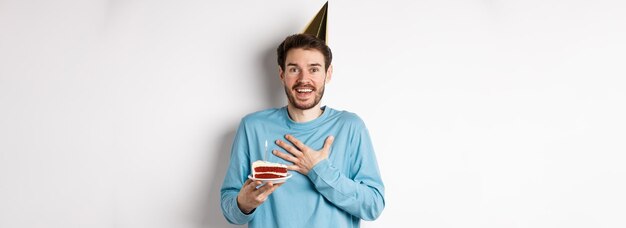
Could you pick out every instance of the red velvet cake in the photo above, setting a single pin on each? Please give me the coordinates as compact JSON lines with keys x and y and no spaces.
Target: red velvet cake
{"x":268,"y":170}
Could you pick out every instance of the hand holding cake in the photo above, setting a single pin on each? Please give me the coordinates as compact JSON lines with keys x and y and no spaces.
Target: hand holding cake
{"x":250,"y":197}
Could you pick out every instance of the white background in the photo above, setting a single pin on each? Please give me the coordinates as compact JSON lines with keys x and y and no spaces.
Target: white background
{"x":492,"y":113}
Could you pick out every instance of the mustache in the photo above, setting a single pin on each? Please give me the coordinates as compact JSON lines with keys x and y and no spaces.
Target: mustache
{"x":303,"y":85}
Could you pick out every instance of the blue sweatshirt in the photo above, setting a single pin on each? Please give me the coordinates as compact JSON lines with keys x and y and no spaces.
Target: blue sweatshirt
{"x":337,"y":192}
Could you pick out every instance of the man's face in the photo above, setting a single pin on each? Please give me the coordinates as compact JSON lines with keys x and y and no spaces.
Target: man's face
{"x":304,"y":77}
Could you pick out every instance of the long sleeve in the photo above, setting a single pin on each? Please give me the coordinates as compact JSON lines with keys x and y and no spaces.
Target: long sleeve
{"x":337,"y":192}
{"x":362,"y":192}
{"x":235,"y":175}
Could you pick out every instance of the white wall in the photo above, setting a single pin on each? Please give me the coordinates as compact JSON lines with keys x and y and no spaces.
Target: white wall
{"x":493,"y":113}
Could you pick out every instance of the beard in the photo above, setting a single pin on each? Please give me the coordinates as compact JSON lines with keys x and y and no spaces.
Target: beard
{"x":300,"y":104}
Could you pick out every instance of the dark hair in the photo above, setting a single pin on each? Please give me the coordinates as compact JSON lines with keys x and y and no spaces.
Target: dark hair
{"x":305,"y":41}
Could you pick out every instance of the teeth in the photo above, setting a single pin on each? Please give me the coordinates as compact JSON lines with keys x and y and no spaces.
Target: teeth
{"x":304,"y":90}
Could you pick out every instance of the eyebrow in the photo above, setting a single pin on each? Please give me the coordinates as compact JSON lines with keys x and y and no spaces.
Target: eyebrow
{"x":312,"y":64}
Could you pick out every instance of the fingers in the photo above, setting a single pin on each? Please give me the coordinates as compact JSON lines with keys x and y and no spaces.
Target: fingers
{"x":300,"y":148}
{"x":267,"y":189}
{"x":285,"y":156}
{"x":251,"y":185}
{"x":296,"y":142}
{"x":248,"y":183}
{"x":263,"y":189}
{"x":288,"y":148}
{"x":294,"y":167}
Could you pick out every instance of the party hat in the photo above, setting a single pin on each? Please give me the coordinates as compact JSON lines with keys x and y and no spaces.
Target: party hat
{"x":317,"y":26}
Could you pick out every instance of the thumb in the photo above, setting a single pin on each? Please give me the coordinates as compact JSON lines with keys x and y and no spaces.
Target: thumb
{"x":329,"y":141}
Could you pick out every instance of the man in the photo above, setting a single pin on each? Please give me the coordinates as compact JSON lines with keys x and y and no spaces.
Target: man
{"x":335,"y":182}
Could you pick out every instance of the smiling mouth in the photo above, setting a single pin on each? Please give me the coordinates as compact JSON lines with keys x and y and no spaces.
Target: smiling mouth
{"x":304,"y":93}
{"x":304,"y":90}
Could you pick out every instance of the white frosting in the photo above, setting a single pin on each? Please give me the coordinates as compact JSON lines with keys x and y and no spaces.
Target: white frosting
{"x":266,"y":163}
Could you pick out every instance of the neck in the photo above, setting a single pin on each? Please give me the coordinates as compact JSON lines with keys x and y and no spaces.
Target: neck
{"x":300,"y":116}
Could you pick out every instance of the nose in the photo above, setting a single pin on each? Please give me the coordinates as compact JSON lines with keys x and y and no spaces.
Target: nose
{"x":303,"y":76}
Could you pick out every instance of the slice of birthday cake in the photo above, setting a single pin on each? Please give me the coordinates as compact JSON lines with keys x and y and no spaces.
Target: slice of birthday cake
{"x":267,"y":170}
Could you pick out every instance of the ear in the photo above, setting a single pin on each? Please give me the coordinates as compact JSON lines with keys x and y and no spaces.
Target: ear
{"x":281,"y":73}
{"x":329,"y":73}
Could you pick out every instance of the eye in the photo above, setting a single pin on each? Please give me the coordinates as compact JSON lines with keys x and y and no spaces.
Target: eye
{"x":315,"y":70}
{"x":293,"y":70}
